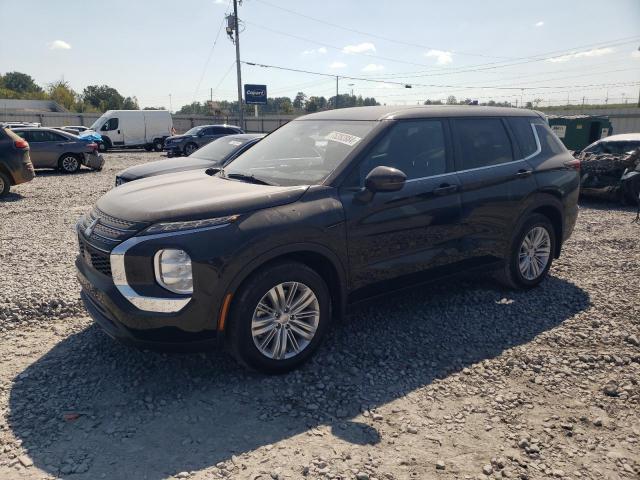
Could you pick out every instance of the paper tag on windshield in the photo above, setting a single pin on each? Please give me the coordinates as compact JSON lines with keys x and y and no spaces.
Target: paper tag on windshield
{"x":345,"y":138}
{"x":235,"y":143}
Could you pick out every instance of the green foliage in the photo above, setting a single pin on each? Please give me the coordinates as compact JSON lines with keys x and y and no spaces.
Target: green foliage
{"x":62,"y":93}
{"x":20,"y":83}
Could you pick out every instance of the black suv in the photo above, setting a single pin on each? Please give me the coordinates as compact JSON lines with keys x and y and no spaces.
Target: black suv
{"x":329,"y":209}
{"x":197,"y":137}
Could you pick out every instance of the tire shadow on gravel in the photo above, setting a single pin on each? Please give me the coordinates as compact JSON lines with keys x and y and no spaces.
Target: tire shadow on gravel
{"x":91,"y":407}
{"x":12,"y":197}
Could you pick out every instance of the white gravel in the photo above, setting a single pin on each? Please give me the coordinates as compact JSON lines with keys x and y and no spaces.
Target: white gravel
{"x":456,"y":380}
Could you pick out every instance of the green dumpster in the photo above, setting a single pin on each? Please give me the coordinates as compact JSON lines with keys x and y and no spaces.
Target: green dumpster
{"x":578,"y":131}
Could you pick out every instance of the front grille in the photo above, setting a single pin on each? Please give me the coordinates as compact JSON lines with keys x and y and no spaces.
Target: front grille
{"x":106,"y":232}
{"x":98,"y":260}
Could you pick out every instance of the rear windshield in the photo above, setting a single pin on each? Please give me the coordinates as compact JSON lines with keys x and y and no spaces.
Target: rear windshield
{"x":219,"y":150}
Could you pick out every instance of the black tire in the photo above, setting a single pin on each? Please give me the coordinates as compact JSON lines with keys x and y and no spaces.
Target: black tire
{"x":148,"y":147}
{"x":189,"y":148}
{"x":241,"y":341}
{"x":5,"y":185}
{"x":511,"y":275}
{"x":158,"y":145}
{"x":69,"y":163}
{"x":105,"y":144}
{"x":631,"y":190}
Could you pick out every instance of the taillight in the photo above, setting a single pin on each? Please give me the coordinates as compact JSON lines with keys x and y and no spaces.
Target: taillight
{"x":21,"y":143}
{"x":575,"y":164}
{"x":93,"y":146}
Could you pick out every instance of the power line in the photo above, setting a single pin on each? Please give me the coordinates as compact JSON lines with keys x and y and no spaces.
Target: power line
{"x":206,"y":65}
{"x":349,"y":77}
{"x":373,"y":35}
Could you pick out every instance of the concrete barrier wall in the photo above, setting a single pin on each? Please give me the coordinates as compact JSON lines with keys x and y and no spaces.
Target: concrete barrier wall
{"x":181,"y":123}
{"x":624,"y":120}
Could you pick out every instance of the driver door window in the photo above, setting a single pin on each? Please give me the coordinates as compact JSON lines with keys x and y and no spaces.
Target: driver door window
{"x":417,"y":148}
{"x":112,"y":124}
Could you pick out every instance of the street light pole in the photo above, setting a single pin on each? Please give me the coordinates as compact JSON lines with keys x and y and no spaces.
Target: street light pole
{"x":238,"y":68}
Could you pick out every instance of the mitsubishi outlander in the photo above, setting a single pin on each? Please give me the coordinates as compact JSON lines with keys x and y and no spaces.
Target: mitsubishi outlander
{"x":331,"y":208}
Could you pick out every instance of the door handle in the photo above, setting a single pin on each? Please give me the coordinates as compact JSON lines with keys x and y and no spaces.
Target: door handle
{"x":524,"y":173}
{"x":118,"y":132}
{"x":445,"y":189}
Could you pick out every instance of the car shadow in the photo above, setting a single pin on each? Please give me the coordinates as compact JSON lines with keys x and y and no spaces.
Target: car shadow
{"x":91,"y":406}
{"x":57,"y":173}
{"x":12,"y":197}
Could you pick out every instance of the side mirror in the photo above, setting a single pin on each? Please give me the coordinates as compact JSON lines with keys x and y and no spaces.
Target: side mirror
{"x":385,"y":179}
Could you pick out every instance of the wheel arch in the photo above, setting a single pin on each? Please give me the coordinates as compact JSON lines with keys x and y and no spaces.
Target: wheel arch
{"x":7,"y":173}
{"x":317,"y":257}
{"x":548,"y":204}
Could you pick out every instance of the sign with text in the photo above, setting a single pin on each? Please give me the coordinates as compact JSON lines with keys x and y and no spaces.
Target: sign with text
{"x":255,"y":94}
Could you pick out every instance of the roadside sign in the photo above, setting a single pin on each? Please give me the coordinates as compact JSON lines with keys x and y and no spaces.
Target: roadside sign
{"x":255,"y":94}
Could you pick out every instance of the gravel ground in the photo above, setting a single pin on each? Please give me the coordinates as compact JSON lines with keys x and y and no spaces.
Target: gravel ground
{"x":456,"y":380}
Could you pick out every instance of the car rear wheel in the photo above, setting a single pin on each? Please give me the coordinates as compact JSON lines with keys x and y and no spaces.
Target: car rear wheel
{"x":148,"y":147}
{"x":189,"y":148}
{"x":279,"y":317}
{"x":5,"y":185}
{"x":158,"y":145}
{"x":531,"y":254}
{"x":69,"y":163}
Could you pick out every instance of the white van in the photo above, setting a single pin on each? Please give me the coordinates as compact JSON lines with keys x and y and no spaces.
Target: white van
{"x":134,"y":128}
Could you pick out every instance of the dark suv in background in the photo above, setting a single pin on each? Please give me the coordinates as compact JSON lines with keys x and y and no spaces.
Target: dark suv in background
{"x":15,"y":162}
{"x":329,"y":209}
{"x":197,"y":137}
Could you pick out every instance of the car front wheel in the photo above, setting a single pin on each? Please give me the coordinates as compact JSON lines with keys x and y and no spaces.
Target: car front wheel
{"x":189,"y":148}
{"x":5,"y":184}
{"x":279,"y":317}
{"x":531,"y":254}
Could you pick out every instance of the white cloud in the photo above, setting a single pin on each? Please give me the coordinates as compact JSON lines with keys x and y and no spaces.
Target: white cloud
{"x":595,"y":52}
{"x":539,"y":24}
{"x":373,"y":67}
{"x":336,"y":65}
{"x":59,"y":45}
{"x":443,"y":58}
{"x":359,"y":48}
{"x":635,"y":54}
{"x":314,"y":51}
{"x":220,"y":2}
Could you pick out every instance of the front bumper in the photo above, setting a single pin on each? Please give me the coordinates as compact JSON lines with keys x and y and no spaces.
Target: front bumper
{"x":124,"y":322}
{"x":173,"y":150}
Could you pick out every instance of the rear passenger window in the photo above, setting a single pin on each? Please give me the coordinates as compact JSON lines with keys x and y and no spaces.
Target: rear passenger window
{"x":483,"y":142}
{"x":550,"y":144}
{"x":521,"y":127}
{"x":417,"y":148}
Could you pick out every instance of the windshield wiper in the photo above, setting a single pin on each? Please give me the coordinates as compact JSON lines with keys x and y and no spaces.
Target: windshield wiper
{"x":244,"y":177}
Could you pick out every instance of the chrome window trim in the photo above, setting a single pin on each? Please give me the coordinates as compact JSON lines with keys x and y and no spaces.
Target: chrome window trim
{"x":528,"y":157}
{"x":119,"y":275}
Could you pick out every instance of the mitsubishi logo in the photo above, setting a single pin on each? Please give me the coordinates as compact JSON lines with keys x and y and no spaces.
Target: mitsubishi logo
{"x":89,"y":230}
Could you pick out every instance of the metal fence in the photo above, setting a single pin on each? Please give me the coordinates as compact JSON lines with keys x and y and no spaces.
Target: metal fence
{"x":182,"y":123}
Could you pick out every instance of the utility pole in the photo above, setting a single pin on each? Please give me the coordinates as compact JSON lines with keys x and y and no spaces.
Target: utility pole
{"x":170,"y":106}
{"x":238,"y":68}
{"x":337,"y":94}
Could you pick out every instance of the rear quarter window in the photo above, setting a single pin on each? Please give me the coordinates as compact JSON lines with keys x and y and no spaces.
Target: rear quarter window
{"x":549,"y":142}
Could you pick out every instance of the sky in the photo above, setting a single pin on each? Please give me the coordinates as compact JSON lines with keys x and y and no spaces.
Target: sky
{"x":163,"y":51}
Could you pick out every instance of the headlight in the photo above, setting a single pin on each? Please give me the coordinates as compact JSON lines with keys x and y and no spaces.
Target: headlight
{"x":190,"y":225}
{"x":173,"y":270}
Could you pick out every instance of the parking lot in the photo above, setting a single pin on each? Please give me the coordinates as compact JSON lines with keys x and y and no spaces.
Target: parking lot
{"x":436,"y":381}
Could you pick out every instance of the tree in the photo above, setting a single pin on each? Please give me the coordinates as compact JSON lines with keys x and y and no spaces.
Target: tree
{"x":20,"y":83}
{"x":62,"y":93}
{"x":154,"y":108}
{"x":103,"y":97}
{"x":130,"y":103}
{"x":528,"y":105}
{"x":433,"y":102}
{"x":299,"y":101}
{"x":451,"y":100}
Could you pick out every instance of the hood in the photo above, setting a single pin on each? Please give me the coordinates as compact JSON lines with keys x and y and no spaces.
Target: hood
{"x":165,"y":166}
{"x":191,"y":195}
{"x":177,"y":138}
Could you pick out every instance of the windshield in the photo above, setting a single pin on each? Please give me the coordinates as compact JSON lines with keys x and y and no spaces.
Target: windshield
{"x":219,"y":149}
{"x":302,"y":152}
{"x":193,"y":131}
{"x":97,"y":124}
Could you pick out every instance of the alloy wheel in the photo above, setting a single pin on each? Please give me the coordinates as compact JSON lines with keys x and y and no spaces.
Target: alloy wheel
{"x":535,"y":252}
{"x":189,"y":149}
{"x":285,"y":320}
{"x":70,"y":164}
